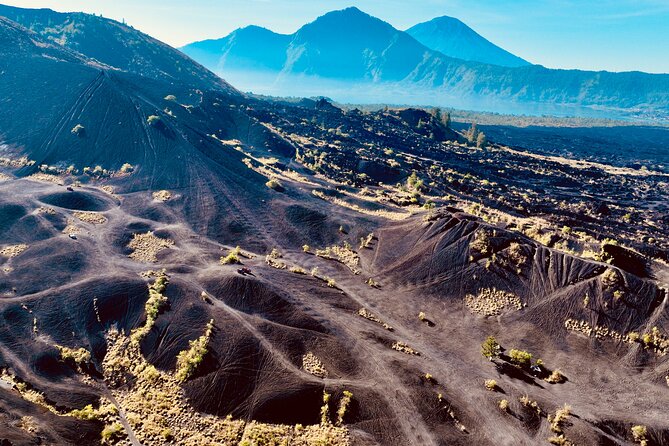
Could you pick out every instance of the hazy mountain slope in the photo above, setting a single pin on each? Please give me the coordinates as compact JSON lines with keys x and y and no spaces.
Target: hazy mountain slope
{"x":453,"y":38}
{"x":352,"y":56}
{"x":117,"y":45}
{"x":252,"y":47}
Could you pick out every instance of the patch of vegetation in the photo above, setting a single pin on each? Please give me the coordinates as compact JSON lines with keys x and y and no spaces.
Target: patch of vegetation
{"x":343,"y":407}
{"x":112,"y":433}
{"x":404,"y":348}
{"x":153,"y":120}
{"x":232,"y":257}
{"x":555,"y":377}
{"x":520,"y":357}
{"x":491,"y":302}
{"x":146,"y":247}
{"x":490,"y":384}
{"x":162,"y":195}
{"x":189,"y":360}
{"x":343,"y":254}
{"x":272,"y":259}
{"x":528,"y":403}
{"x":156,"y":301}
{"x":311,"y":364}
{"x":79,"y":356}
{"x":369,"y":316}
{"x":490,"y":348}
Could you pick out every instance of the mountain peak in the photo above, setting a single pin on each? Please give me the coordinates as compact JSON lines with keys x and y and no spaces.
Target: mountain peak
{"x":452,"y":37}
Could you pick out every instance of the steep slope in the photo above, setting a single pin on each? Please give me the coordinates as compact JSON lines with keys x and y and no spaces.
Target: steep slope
{"x":453,"y":38}
{"x":102,"y":116}
{"x":116,"y":45}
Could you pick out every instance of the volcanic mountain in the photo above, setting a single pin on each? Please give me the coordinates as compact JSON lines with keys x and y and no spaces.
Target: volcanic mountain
{"x":182,"y":264}
{"x":453,"y":38}
{"x":358,"y":58}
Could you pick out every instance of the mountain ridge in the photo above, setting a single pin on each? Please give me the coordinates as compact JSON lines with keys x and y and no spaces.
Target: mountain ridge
{"x":368,"y":60}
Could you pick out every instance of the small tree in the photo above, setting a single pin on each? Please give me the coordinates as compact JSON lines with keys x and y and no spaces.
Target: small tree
{"x":446,"y":119}
{"x":472,"y":133}
{"x":490,"y":348}
{"x":481,"y":140}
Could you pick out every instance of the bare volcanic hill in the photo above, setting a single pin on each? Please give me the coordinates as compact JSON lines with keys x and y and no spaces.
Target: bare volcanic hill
{"x":117,"y":45}
{"x":187,"y":266}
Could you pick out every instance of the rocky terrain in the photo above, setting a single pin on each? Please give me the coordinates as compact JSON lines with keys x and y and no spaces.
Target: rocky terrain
{"x":183,"y":264}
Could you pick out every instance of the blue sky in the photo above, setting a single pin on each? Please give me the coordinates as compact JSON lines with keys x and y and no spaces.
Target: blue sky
{"x":615,"y":35}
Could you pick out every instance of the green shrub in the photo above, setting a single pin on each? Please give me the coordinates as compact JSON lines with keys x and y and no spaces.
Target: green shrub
{"x":490,"y":348}
{"x":520,"y":357}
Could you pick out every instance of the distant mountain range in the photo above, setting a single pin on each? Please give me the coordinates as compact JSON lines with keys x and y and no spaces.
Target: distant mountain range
{"x":354,"y":57}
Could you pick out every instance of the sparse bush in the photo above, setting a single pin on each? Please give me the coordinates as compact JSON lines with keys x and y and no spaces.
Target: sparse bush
{"x":491,"y":384}
{"x":373,"y":283}
{"x":153,"y":120}
{"x":325,"y":409}
{"x":520,"y":357}
{"x":232,"y":257}
{"x":343,"y":406}
{"x":555,"y":377}
{"x":274,"y":184}
{"x":331,"y":282}
{"x":504,"y":405}
{"x":112,"y":433}
{"x":297,"y":270}
{"x":481,"y":242}
{"x":127,"y":168}
{"x":610,"y":278}
{"x":639,"y":433}
{"x":559,"y":418}
{"x":422,"y":316}
{"x":306,"y":248}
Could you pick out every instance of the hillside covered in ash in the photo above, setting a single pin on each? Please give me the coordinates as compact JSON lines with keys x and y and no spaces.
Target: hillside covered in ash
{"x":184,"y":264}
